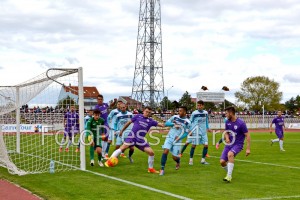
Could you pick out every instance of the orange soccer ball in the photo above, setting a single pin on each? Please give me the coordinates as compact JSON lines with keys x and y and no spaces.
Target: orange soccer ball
{"x":112,"y":161}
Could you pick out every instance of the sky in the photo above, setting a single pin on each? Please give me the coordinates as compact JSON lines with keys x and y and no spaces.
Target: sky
{"x":212,"y":43}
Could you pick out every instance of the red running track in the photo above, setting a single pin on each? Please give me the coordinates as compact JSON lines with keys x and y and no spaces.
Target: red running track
{"x":9,"y":191}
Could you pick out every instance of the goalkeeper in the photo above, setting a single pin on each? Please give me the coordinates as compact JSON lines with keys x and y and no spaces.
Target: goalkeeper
{"x":94,"y":132}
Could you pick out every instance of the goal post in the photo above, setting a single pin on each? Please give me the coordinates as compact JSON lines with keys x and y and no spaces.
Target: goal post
{"x":81,"y":119}
{"x":32,"y":123}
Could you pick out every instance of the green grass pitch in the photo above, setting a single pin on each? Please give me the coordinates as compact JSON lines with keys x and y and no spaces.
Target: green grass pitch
{"x":266,"y":173}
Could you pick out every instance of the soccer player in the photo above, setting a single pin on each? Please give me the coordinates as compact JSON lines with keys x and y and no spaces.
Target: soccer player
{"x":180,"y":126}
{"x":199,"y":120}
{"x":122,"y":118}
{"x":236,"y":132}
{"x":141,"y":125}
{"x":86,"y":119}
{"x":71,"y":123}
{"x":94,"y":132}
{"x":111,"y":121}
{"x":279,"y":129}
{"x":103,"y":107}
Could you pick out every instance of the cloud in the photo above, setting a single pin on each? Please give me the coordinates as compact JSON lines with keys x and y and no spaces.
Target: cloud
{"x":293,"y":78}
{"x":46,"y":65}
{"x":72,"y":60}
{"x":211,"y":43}
{"x":1,"y":67}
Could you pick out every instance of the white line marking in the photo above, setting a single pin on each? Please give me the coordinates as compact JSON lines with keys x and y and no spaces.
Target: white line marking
{"x":255,"y":162}
{"x":270,"y":198}
{"x":124,"y":181}
{"x":139,"y":185}
{"x":262,"y":163}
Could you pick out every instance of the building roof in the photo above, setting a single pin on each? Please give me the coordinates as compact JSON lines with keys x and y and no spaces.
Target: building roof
{"x":89,"y":92}
{"x":194,"y":100}
{"x":129,"y":100}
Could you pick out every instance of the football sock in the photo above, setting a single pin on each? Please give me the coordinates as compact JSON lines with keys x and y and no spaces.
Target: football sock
{"x":220,"y":141}
{"x":107,"y":148}
{"x":230,"y":169}
{"x":183,"y":148}
{"x":116,"y":153}
{"x":275,"y":140}
{"x":192,"y":152}
{"x":131,"y":151}
{"x":225,"y":168}
{"x":78,"y":142}
{"x":164,"y":158}
{"x":104,"y":145}
{"x":91,"y":153}
{"x":99,"y":156}
{"x":69,"y":143}
{"x":150,"y":161}
{"x":62,"y":142}
{"x":281,"y":144}
{"x":204,"y":152}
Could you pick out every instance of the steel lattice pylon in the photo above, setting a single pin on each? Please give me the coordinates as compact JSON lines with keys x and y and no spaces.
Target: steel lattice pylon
{"x":148,"y":82}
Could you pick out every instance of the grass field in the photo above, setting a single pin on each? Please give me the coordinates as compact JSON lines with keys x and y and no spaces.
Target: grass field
{"x":267,"y":173}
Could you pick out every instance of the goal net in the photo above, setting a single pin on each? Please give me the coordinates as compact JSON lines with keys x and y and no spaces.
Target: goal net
{"x":34,"y":137}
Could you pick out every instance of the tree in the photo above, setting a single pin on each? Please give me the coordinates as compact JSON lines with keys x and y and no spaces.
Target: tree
{"x":166,"y":104}
{"x":258,"y":91}
{"x":209,"y":105}
{"x":293,"y":104}
{"x":186,"y":100}
{"x":67,"y":102}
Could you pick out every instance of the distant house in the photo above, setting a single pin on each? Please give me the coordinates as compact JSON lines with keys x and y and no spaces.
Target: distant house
{"x":90,"y":95}
{"x":194,"y":100}
{"x":131,"y":102}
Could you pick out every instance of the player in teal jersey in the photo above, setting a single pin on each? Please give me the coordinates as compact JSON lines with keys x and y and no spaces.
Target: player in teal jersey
{"x":111,"y":121}
{"x":200,"y":126}
{"x":122,"y":118}
{"x":180,"y":126}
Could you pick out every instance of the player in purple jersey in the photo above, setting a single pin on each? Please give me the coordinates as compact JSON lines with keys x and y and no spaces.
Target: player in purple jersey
{"x":235,"y":133}
{"x":141,"y":125}
{"x":279,"y":129}
{"x":71,"y":123}
{"x":104,"y":110}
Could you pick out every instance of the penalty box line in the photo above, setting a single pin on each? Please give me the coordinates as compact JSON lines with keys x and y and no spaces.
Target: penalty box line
{"x":139,"y":185}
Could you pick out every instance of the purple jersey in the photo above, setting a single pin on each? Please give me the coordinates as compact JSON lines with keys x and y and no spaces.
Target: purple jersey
{"x":141,"y":125}
{"x":103,"y":110}
{"x":72,"y":119}
{"x":279,"y":122}
{"x":239,"y":129}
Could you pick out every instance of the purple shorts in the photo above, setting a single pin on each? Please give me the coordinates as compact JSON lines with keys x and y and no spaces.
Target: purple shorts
{"x":237,"y":148}
{"x":71,"y":132}
{"x":141,"y":144}
{"x":279,"y":134}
